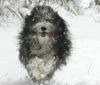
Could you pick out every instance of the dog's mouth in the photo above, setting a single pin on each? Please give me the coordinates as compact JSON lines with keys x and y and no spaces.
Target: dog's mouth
{"x":43,"y":34}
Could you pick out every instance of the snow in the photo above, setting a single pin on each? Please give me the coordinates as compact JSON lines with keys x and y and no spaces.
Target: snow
{"x":83,"y":66}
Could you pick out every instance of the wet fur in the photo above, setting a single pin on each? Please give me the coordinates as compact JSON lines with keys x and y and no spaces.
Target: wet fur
{"x":34,"y":49}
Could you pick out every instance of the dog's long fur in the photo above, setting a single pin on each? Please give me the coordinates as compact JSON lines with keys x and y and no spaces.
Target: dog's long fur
{"x":40,"y":53}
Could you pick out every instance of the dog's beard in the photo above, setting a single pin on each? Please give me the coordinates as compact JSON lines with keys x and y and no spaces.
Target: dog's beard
{"x":44,"y":38}
{"x":43,"y":45}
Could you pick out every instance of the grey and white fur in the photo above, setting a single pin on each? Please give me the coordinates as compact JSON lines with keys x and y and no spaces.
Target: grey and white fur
{"x":44,"y":43}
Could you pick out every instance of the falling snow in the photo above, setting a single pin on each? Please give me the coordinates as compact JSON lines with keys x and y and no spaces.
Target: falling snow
{"x":83,"y":67}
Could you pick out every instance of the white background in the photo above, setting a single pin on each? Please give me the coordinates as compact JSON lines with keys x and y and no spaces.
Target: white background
{"x":83,"y":66}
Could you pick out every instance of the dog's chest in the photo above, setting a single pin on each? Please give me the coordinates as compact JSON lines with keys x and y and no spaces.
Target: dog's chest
{"x":39,"y":68}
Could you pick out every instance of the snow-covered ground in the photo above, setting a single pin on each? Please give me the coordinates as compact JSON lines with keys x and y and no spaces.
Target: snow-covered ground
{"x":83,"y":67}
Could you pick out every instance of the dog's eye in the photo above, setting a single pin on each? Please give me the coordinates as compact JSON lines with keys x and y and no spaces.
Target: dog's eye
{"x":36,"y":18}
{"x":49,"y":19}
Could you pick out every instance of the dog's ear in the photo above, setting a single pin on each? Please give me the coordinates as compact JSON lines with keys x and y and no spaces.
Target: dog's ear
{"x":60,"y":22}
{"x":27,"y":19}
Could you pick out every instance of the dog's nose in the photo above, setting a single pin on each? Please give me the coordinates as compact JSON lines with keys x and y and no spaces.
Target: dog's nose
{"x":43,"y":28}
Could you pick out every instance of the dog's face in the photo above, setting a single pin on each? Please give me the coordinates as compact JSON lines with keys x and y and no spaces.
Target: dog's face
{"x":44,"y":23}
{"x":44,"y":31}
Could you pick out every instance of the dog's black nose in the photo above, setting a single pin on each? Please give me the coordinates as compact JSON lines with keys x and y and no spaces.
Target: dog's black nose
{"x":43,"y":28}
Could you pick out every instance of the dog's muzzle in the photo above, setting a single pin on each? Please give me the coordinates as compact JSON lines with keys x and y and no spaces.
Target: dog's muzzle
{"x":43,"y":33}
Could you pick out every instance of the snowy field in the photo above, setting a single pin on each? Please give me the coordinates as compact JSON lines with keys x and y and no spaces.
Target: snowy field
{"x":83,"y":66}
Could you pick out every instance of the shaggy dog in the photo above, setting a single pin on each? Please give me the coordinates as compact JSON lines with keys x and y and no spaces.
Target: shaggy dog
{"x":44,"y":43}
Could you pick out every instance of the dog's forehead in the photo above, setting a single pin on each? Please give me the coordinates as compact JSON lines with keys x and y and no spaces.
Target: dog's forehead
{"x":43,"y":11}
{"x":44,"y":8}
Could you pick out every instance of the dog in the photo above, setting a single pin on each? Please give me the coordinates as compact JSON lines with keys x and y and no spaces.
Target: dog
{"x":44,"y":43}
